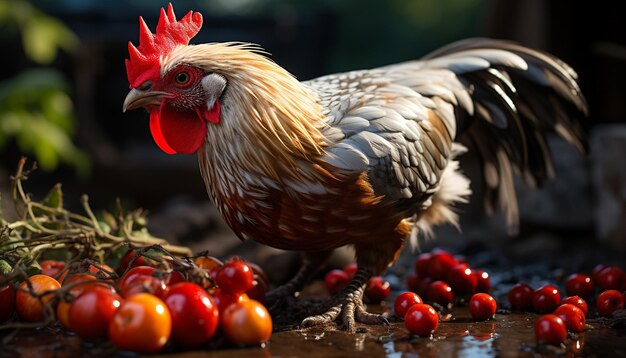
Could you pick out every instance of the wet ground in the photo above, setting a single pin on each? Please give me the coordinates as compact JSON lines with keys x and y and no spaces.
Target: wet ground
{"x":508,"y":335}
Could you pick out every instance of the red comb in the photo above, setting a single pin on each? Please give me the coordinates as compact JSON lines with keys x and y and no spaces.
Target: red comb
{"x":144,"y":63}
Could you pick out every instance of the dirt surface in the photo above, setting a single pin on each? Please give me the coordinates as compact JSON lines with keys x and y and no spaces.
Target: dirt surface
{"x":508,"y":335}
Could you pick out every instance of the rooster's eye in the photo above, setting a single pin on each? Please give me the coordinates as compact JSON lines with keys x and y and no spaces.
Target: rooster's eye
{"x":182,"y":78}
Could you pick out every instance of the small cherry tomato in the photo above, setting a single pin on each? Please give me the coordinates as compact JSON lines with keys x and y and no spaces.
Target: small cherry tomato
{"x":30,"y":307}
{"x":336,"y":280}
{"x":596,"y":272}
{"x":350,"y":269}
{"x":550,"y":329}
{"x":133,"y":273}
{"x":579,"y":285}
{"x":573,"y":317}
{"x":194,"y":314}
{"x":576,"y":301}
{"x":142,"y":324}
{"x":223,"y":299}
{"x":421,"y":319}
{"x":440,"y":265}
{"x":521,"y":297}
{"x":377,"y":289}
{"x":421,"y":264}
{"x":91,"y":312}
{"x":7,"y":300}
{"x":483,"y":283}
{"x":126,"y":260}
{"x":235,"y":277}
{"x":612,"y":278}
{"x":52,"y":268}
{"x":404,"y":301}
{"x":79,"y":282}
{"x":103,"y":271}
{"x":462,"y":279}
{"x":441,"y":293}
{"x":609,"y":301}
{"x":144,"y":284}
{"x":173,"y":278}
{"x":211,"y":264}
{"x":261,"y":283}
{"x":482,"y":306}
{"x":247,"y":322}
{"x":546,"y":299}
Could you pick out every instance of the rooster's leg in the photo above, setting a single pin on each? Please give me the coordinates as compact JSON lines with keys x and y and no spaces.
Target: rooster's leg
{"x":312,"y":262}
{"x":349,"y":304}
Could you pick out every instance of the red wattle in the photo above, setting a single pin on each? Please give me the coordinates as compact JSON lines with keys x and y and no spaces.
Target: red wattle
{"x":183,"y":131}
{"x":157,"y":134}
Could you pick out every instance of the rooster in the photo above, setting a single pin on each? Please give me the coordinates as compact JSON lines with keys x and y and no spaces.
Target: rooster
{"x":366,"y":158}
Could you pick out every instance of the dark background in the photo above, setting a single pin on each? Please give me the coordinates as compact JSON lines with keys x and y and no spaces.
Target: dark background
{"x":310,"y":38}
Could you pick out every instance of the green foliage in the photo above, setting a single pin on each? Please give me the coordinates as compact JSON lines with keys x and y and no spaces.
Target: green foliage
{"x":35,"y":108}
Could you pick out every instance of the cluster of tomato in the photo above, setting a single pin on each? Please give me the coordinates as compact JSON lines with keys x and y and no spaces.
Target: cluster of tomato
{"x":438,"y":277}
{"x":569,"y":314}
{"x":147,"y":307}
{"x":376,"y":290}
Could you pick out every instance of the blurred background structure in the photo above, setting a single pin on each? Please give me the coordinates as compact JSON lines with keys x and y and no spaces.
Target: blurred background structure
{"x":63,"y":81}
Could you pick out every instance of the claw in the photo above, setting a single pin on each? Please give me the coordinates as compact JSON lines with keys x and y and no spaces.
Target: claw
{"x":348,"y":304}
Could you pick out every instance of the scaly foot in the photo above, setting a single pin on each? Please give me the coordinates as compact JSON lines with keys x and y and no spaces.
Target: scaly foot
{"x":349,"y":305}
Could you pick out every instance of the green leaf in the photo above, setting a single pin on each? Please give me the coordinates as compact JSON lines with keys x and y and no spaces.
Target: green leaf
{"x":43,"y":36}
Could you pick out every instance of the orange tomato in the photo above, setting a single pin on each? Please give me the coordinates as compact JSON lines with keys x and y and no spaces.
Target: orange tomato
{"x":30,"y":307}
{"x":141,"y":324}
{"x":247,"y":322}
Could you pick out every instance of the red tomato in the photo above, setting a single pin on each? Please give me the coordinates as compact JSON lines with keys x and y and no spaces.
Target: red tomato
{"x":550,"y":329}
{"x":194,"y":314}
{"x":144,"y":284}
{"x":483,"y":284}
{"x":336,"y":280}
{"x":52,"y":268}
{"x":573,"y":317}
{"x":404,"y":301}
{"x":596,"y":272}
{"x":612,"y":278}
{"x":133,"y":273}
{"x":421,"y":265}
{"x":609,"y":301}
{"x":223,"y":300}
{"x":261,"y":283}
{"x":247,"y":323}
{"x":91,"y":312}
{"x":7,"y":300}
{"x":579,"y":285}
{"x":462,"y":279}
{"x":235,"y":277}
{"x":421,"y":319}
{"x":521,"y":297}
{"x":440,"y":264}
{"x":141,"y":324}
{"x":482,"y":306}
{"x":576,"y":301}
{"x":546,"y":299}
{"x":174,"y":277}
{"x":351,"y":269}
{"x":80,"y":282}
{"x":441,"y":293}
{"x":377,"y":289}
{"x":30,"y":308}
{"x":123,"y":266}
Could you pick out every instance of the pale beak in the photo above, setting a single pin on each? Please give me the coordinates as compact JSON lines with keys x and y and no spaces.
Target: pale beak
{"x":143,"y":98}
